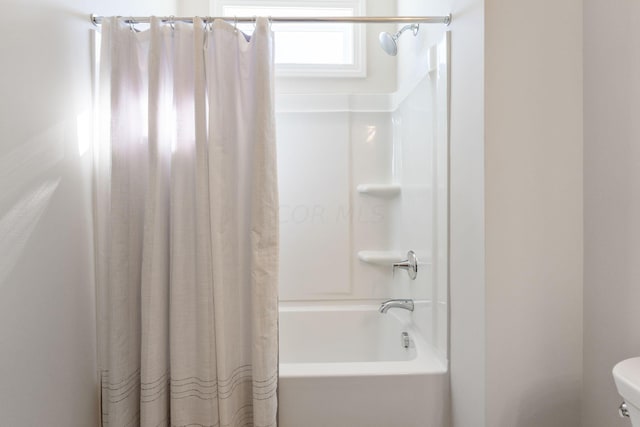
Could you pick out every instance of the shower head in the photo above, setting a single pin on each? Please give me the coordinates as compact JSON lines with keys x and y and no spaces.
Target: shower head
{"x":389,"y":42}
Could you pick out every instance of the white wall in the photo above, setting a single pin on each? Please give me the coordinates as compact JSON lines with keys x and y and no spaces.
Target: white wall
{"x":47,"y":309}
{"x":533,"y":208}
{"x":466,"y":250}
{"x":611,"y":202}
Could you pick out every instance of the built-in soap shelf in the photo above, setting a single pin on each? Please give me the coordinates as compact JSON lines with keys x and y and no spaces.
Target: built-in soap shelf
{"x":381,"y":257}
{"x":379,"y":190}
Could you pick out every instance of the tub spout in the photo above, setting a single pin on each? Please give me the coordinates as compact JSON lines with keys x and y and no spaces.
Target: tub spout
{"x":407,"y":304}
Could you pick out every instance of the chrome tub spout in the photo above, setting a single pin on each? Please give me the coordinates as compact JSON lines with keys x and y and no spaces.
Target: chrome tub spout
{"x":406,"y":304}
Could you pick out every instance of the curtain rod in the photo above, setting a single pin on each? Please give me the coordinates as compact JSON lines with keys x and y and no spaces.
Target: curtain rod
{"x":97,"y":20}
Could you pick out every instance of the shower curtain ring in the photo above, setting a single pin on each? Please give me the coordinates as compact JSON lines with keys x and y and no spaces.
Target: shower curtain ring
{"x":132,"y":24}
{"x":172,"y":22}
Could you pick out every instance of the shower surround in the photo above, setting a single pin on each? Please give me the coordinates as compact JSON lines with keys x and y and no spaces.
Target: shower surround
{"x":363,"y":179}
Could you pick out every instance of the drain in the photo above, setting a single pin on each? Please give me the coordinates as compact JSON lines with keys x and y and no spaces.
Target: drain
{"x":404,"y":339}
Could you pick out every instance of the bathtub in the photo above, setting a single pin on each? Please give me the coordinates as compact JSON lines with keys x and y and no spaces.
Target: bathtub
{"x":347,"y":366}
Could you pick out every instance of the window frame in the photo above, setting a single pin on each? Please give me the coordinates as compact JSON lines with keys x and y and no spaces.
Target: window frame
{"x":358,"y":69}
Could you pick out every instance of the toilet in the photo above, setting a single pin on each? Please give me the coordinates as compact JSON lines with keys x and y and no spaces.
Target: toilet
{"x":627,"y":378}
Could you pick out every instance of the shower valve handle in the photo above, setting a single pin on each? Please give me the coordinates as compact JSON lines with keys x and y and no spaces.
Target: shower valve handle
{"x":410,"y":265}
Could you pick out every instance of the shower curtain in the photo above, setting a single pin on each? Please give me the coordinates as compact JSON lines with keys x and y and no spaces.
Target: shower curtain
{"x":186,"y":225}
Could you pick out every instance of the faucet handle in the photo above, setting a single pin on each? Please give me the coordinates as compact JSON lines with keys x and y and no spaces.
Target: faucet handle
{"x":410,"y":265}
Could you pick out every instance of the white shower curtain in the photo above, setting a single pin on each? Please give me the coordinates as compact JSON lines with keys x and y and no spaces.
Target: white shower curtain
{"x":186,"y":218}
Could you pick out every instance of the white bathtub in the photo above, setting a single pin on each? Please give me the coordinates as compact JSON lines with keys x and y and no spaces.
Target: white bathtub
{"x":345,"y":366}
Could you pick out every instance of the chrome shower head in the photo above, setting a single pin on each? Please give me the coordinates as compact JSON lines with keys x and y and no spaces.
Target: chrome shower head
{"x":389,"y":42}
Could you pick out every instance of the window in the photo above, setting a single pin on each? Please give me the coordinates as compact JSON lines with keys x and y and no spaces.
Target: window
{"x":308,"y":49}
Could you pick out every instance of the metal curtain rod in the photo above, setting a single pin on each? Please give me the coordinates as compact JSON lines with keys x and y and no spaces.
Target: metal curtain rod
{"x":97,"y":20}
